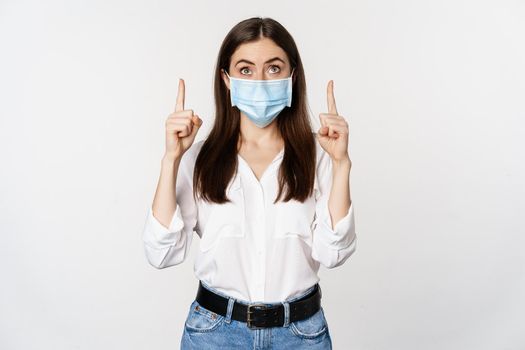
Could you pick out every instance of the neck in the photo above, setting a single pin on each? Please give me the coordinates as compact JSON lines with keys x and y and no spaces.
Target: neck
{"x":251,"y":134}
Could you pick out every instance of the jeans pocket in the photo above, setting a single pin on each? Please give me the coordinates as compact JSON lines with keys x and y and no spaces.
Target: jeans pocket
{"x":312,"y":327}
{"x":202,"y":320}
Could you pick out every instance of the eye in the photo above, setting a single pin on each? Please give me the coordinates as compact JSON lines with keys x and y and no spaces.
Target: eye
{"x":243,"y":68}
{"x":275,"y":66}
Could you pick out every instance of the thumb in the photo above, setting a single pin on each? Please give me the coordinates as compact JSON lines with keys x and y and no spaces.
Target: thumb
{"x":197,"y":122}
{"x":323,"y":131}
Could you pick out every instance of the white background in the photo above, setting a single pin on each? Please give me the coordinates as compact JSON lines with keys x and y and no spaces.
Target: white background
{"x":434,"y":95}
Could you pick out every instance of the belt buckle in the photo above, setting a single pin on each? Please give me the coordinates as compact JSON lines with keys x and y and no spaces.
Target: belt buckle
{"x":259,"y":306}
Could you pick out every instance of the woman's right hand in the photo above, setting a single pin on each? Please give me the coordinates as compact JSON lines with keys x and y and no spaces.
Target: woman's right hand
{"x":181,"y":127}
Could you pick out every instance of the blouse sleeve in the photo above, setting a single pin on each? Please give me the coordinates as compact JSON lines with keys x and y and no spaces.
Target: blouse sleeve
{"x":168,"y":246}
{"x":331,"y":247}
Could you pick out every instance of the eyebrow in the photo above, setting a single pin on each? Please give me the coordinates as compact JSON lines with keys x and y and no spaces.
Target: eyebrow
{"x":270,"y":60}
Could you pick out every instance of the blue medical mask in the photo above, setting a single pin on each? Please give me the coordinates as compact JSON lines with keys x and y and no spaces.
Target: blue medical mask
{"x":261,"y":100}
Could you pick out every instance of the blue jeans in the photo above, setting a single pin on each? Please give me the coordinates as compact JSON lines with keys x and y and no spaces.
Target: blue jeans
{"x":204,"y":329}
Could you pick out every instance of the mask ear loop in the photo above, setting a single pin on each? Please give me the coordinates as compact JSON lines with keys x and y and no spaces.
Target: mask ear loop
{"x":224,"y":70}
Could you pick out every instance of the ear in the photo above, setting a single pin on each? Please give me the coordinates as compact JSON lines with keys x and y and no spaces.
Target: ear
{"x":225,"y":78}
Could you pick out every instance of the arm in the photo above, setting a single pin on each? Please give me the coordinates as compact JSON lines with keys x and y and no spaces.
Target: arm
{"x":334,"y":236}
{"x":168,"y":230}
{"x":339,"y":201}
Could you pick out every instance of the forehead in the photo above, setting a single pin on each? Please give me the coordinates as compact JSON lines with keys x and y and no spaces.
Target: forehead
{"x":258,"y":51}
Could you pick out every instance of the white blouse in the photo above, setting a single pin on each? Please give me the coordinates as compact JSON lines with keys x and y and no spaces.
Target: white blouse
{"x":252,"y":249}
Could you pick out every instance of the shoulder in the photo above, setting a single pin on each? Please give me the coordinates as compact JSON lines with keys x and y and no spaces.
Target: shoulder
{"x":322,"y":168}
{"x":189,"y":157}
{"x":321,"y":157}
{"x":194,"y":149}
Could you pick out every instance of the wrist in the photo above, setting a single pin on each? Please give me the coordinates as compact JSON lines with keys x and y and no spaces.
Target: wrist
{"x":344,"y":162}
{"x":170,"y":160}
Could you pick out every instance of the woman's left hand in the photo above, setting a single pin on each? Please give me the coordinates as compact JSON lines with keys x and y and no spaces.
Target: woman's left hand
{"x":333,"y":134}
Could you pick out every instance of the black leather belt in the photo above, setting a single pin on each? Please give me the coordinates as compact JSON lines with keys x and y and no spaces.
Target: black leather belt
{"x":260,"y":315}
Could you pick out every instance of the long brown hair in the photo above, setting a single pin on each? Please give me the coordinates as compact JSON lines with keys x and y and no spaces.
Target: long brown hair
{"x":216,"y":162}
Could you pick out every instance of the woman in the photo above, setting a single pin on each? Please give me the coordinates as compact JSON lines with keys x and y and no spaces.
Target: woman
{"x":263,"y":192}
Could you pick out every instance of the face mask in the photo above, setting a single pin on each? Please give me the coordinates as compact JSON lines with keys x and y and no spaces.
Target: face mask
{"x":261,"y":100}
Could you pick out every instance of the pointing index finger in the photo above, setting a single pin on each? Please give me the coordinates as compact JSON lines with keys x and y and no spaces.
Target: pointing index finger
{"x":330,"y":98}
{"x":180,"y":97}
